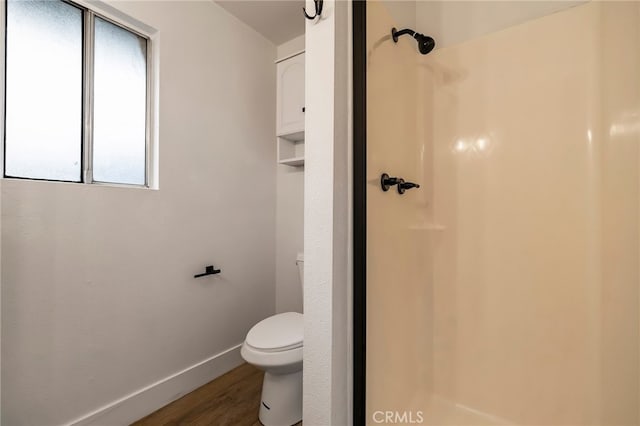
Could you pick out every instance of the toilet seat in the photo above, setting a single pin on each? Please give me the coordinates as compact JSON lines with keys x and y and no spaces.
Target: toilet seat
{"x":275,"y":343}
{"x":278,"y":333}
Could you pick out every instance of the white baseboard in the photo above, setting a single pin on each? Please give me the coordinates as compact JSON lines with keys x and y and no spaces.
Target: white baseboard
{"x":144,"y":401}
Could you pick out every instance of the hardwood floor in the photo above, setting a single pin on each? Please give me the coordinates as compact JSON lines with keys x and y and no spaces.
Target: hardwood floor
{"x":231,"y":399}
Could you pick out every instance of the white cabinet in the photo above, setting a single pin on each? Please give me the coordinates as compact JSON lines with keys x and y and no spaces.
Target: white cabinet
{"x":290,"y":98}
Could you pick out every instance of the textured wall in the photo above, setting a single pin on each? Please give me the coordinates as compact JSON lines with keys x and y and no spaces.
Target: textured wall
{"x":98,"y":293}
{"x":326,"y":219}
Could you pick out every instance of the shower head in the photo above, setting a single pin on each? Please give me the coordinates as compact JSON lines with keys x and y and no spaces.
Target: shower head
{"x":425,"y":43}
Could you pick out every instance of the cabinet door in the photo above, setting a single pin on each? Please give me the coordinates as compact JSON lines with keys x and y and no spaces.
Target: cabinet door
{"x":291,"y":95}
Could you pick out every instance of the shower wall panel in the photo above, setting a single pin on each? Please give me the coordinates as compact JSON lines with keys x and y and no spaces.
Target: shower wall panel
{"x":398,"y":340}
{"x":536,"y":274}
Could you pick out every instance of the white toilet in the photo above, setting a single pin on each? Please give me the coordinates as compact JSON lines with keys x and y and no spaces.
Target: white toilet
{"x":275,"y":346}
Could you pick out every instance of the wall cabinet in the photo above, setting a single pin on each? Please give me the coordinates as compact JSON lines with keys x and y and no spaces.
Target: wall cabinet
{"x":290,"y":96}
{"x":290,"y":110}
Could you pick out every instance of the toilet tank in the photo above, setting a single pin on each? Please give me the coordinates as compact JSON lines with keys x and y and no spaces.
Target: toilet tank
{"x":300,"y":263}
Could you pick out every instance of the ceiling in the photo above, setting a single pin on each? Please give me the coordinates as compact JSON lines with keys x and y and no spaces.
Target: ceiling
{"x":278,"y":21}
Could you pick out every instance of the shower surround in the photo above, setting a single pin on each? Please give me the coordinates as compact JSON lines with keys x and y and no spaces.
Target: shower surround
{"x":511,"y":292}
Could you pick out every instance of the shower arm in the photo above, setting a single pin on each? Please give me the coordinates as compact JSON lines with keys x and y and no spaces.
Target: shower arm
{"x":395,"y":34}
{"x":425,"y":43}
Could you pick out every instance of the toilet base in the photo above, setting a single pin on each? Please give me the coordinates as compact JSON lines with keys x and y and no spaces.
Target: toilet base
{"x":281,"y":402}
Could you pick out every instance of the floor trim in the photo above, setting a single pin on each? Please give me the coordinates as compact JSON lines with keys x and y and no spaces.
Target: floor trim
{"x":144,"y":401}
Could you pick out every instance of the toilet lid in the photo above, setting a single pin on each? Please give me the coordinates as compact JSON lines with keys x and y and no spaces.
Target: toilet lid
{"x":279,"y":332}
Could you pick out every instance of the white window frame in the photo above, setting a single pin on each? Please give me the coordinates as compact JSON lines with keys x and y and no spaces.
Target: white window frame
{"x":91,"y":10}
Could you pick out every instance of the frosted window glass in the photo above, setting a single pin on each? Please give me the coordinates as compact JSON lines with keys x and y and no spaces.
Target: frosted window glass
{"x":120,"y":90}
{"x":44,"y":90}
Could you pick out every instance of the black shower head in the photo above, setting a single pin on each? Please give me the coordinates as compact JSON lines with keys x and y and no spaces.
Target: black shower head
{"x":425,"y":43}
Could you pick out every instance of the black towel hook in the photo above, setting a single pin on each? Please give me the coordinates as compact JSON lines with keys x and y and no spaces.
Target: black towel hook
{"x":318,"y":5}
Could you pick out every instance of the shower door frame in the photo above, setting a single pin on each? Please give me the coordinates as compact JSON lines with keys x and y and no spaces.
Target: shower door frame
{"x":359,"y":25}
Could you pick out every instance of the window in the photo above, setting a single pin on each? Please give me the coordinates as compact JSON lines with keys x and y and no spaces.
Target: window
{"x":77,"y":98}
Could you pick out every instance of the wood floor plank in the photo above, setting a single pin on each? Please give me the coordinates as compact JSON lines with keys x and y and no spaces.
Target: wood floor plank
{"x":232,"y":399}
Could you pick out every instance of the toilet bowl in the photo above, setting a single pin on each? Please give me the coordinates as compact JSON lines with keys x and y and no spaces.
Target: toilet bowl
{"x":275,"y":346}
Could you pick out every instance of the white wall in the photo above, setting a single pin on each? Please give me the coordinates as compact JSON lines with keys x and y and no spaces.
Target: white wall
{"x":98,"y":295}
{"x":289,"y":237}
{"x":291,"y":47}
{"x":327,"y":232}
{"x":452,"y":22}
{"x":289,"y":218}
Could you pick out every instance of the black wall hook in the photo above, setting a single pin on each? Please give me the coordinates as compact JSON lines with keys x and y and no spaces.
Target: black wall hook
{"x":208,"y":270}
{"x":318,"y":5}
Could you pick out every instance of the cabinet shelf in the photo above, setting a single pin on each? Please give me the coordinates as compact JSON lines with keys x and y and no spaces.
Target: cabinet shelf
{"x":293,"y":137}
{"x":291,"y":152}
{"x":295,"y":162}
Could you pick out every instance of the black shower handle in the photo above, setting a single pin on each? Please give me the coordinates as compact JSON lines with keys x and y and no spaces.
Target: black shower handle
{"x":387,"y":182}
{"x":403,"y":186}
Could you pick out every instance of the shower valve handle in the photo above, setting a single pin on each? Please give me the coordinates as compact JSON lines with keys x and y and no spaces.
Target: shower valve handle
{"x":387,"y":182}
{"x":403,"y":186}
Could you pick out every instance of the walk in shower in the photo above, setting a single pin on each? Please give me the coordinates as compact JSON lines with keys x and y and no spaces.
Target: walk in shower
{"x":505,"y":289}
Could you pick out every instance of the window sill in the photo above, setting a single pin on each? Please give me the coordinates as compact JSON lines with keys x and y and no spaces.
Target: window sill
{"x":94,"y":184}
